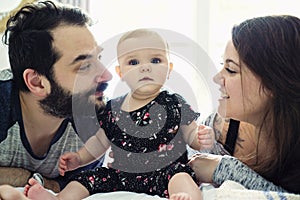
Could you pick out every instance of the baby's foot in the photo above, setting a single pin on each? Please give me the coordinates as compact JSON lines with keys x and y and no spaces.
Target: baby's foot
{"x":34,"y":191}
{"x":30,"y":183}
{"x":180,"y":196}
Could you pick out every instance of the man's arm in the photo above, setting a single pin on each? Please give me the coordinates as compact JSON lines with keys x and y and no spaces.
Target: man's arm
{"x":18,"y":177}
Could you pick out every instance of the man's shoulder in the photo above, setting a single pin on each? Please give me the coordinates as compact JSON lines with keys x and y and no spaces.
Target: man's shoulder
{"x":6,"y":87}
{"x":6,"y":75}
{"x":5,"y":84}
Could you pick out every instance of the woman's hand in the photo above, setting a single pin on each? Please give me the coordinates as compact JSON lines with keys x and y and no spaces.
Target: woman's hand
{"x":204,"y":165}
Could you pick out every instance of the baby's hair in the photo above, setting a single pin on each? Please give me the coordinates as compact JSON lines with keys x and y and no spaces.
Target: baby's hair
{"x":142,"y":33}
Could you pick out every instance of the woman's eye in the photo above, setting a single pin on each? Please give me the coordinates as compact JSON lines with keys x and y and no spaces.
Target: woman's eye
{"x":155,"y":60}
{"x":99,"y":57}
{"x":230,"y":71}
{"x":133,"y":62}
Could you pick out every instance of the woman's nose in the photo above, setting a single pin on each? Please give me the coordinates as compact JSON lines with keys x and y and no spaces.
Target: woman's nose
{"x":145,"y":68}
{"x":218,"y":78}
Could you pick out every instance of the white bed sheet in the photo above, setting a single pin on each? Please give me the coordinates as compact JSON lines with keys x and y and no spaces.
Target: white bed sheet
{"x":229,"y":190}
{"x":119,"y":195}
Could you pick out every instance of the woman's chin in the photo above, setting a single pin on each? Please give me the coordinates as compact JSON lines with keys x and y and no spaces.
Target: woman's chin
{"x":222,"y":112}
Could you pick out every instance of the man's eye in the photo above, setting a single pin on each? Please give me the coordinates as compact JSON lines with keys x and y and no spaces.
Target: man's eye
{"x":84,"y":67}
{"x":133,"y":62}
{"x":155,"y":60}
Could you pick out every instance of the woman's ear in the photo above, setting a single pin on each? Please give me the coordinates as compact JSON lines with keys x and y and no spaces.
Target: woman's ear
{"x":118,"y":71}
{"x":37,"y":84}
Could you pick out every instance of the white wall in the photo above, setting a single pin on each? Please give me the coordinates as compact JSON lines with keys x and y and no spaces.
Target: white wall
{"x":204,"y":23}
{"x":186,"y":19}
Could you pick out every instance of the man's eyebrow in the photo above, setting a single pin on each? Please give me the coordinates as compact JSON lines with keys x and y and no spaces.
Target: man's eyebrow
{"x":231,"y":61}
{"x":81,"y":57}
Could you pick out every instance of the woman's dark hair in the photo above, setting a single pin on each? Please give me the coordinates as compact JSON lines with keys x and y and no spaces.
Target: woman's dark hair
{"x":29,"y":39}
{"x":270,"y":47}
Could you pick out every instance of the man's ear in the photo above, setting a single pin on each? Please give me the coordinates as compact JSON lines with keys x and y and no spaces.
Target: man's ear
{"x":37,"y":84}
{"x":118,"y":71}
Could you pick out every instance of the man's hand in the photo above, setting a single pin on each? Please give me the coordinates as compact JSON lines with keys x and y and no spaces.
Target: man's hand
{"x":18,"y":177}
{"x":51,"y":185}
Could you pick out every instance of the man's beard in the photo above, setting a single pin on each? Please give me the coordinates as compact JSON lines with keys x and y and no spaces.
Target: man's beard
{"x":63,"y":104}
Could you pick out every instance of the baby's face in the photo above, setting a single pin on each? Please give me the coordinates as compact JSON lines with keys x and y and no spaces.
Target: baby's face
{"x":144,"y":64}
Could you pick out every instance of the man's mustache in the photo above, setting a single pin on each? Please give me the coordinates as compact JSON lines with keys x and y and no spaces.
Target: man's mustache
{"x":101,"y":87}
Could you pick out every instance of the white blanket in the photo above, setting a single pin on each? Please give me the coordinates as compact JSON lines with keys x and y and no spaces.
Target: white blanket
{"x":123,"y":196}
{"x":229,"y":190}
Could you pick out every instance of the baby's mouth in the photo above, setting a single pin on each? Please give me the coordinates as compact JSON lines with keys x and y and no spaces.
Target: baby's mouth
{"x":146,"y":79}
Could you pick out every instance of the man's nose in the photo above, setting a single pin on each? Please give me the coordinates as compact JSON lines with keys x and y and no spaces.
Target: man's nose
{"x":103,"y":76}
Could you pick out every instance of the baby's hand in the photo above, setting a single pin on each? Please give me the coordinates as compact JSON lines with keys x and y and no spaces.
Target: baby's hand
{"x":68,"y":161}
{"x":206,"y":137}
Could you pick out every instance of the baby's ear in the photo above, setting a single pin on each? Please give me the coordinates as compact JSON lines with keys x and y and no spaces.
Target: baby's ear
{"x":170,"y":67}
{"x":118,"y":70}
{"x":37,"y":84}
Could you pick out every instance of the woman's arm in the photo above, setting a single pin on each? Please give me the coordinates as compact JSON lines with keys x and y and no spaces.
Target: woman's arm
{"x":230,"y":168}
{"x":217,"y":169}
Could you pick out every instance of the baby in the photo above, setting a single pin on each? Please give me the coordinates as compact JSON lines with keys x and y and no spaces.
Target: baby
{"x":147,"y":129}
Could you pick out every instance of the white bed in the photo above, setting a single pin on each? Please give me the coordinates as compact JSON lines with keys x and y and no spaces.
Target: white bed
{"x":229,"y":190}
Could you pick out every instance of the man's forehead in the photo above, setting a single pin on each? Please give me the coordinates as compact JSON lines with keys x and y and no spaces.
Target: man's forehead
{"x":69,"y":37}
{"x":74,"y":42}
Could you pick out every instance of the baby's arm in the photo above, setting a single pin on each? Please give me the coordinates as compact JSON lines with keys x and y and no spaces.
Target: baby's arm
{"x":94,"y":148}
{"x":198,"y":137}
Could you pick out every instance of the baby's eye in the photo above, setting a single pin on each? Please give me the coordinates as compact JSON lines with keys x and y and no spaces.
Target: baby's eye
{"x":133,"y":62}
{"x":155,"y":60}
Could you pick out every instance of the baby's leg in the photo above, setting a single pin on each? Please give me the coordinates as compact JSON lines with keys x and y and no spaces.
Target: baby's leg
{"x":182,"y":186}
{"x":73,"y":191}
{"x":7,"y":192}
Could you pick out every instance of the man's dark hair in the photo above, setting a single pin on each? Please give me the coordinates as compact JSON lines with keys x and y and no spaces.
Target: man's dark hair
{"x":29,"y":38}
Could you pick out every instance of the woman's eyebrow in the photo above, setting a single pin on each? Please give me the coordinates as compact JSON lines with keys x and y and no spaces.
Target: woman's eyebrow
{"x":227,"y":61}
